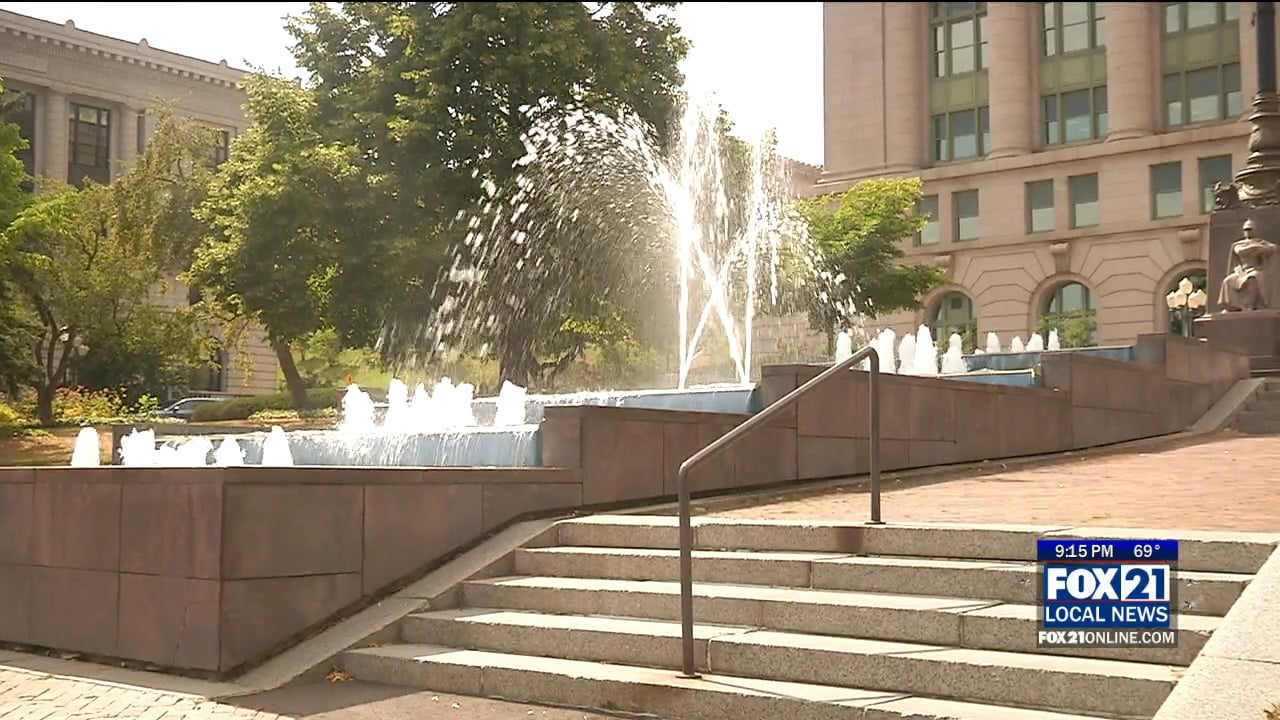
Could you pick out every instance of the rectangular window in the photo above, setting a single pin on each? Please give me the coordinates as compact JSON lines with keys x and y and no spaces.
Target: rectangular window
{"x":19,"y":107}
{"x":1184,"y":16}
{"x":1166,"y":190}
{"x":1202,"y":95}
{"x":1213,"y":170}
{"x":959,"y":42}
{"x":1083,"y":193}
{"x":90,"y":145}
{"x":931,"y":233}
{"x":222,"y":148}
{"x":141,"y":132}
{"x":1068,"y":27}
{"x":965,"y":210}
{"x":1040,"y":206}
{"x":964,"y":134}
{"x":961,"y":135}
{"x":1074,"y":116}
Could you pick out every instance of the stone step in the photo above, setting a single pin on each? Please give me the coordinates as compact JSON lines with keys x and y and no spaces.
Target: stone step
{"x":1269,"y":395}
{"x":1198,"y":551}
{"x":944,"y":621}
{"x":1061,"y":683}
{"x":1251,"y":423}
{"x":1006,"y":581}
{"x":649,"y":692}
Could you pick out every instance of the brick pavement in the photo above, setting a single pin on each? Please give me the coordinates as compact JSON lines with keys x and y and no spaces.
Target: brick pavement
{"x":1227,"y":483}
{"x":35,"y":695}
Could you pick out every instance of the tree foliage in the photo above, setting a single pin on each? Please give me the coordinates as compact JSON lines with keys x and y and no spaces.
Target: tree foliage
{"x":16,"y":326}
{"x":437,"y":96}
{"x":858,"y":236}
{"x":283,"y":247}
{"x":87,"y":267}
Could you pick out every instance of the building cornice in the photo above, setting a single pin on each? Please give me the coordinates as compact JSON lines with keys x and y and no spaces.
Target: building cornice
{"x":140,"y":54}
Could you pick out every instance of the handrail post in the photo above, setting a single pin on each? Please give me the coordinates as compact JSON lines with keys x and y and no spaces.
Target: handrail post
{"x":873,"y":454}
{"x":688,"y":665}
{"x":688,"y":668}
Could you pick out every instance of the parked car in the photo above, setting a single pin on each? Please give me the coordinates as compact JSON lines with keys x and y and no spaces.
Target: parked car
{"x":184,"y":408}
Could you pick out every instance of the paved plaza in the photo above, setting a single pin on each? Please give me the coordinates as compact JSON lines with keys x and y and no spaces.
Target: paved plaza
{"x":60,"y":692}
{"x":1225,"y":482}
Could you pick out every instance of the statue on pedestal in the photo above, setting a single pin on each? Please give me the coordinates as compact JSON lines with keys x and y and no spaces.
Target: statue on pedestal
{"x":1251,"y":275}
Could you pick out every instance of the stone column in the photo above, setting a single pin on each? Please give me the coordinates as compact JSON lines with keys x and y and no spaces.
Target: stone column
{"x":53,"y":140}
{"x":126,"y":141}
{"x":906,"y":88}
{"x":1011,"y":89}
{"x":1132,"y":58}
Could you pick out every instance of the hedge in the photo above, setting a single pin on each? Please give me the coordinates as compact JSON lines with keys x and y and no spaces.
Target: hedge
{"x":242,"y":407}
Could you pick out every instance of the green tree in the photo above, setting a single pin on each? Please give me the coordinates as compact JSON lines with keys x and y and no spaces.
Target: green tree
{"x":88,"y":266}
{"x":857,"y":237}
{"x":16,"y":325}
{"x":283,"y":247}
{"x":437,"y":97}
{"x":82,"y":279}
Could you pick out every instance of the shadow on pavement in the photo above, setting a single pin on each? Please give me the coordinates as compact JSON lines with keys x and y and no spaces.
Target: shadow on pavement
{"x":365,"y":701}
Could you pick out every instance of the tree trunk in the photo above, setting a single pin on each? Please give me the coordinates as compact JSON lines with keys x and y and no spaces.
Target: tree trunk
{"x":292,"y":379}
{"x":44,"y":403}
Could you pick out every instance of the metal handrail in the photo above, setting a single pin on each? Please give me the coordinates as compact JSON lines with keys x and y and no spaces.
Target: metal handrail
{"x":731,"y":438}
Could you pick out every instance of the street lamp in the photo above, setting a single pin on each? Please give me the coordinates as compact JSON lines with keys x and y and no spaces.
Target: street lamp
{"x":1185,"y":299}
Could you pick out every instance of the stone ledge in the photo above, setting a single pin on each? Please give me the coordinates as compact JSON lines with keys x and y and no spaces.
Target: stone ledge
{"x":1237,"y":674}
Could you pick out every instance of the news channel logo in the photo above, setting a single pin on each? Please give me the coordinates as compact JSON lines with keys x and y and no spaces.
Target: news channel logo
{"x":1107,"y":593}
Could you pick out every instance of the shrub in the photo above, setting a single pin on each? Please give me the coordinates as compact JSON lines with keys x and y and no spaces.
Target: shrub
{"x":243,"y":408}
{"x":10,"y":417}
{"x":77,"y":405}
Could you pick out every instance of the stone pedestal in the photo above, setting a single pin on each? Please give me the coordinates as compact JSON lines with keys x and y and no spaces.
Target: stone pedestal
{"x":1256,"y":332}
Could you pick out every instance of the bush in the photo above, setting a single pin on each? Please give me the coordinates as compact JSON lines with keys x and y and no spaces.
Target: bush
{"x":77,"y":405}
{"x":10,"y":417}
{"x":243,"y":408}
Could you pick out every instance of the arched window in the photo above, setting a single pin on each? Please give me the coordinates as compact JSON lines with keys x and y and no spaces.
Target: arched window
{"x":1181,"y":308}
{"x":1069,"y":310}
{"x":953,"y":313}
{"x":212,"y":376}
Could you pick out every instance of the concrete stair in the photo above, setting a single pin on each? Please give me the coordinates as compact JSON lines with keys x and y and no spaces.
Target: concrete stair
{"x":799,"y":620}
{"x":1261,"y":415}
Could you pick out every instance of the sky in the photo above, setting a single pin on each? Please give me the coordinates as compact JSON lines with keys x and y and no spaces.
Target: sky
{"x":762,"y":61}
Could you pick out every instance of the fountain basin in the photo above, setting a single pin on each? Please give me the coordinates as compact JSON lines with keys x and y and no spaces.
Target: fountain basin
{"x":742,"y":399}
{"x":512,"y":446}
{"x":1028,"y":360}
{"x":1012,"y":378}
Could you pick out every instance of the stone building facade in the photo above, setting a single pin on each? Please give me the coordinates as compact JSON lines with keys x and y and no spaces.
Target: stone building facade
{"x":1068,"y":150}
{"x":83,"y":101}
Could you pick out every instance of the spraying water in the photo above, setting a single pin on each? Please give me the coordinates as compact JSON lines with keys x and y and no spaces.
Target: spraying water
{"x":275,"y":449}
{"x":229,"y":453}
{"x":926,"y":359}
{"x":1035,"y":343}
{"x":907,"y":354}
{"x":1015,"y":345}
{"x":510,"y":405}
{"x":844,"y":346}
{"x":138,"y":448}
{"x":993,"y":343}
{"x":192,"y":453}
{"x":1053,"y":345}
{"x":87,"y":451}
{"x":884,"y":348}
{"x":599,"y":212}
{"x":953,"y":359}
